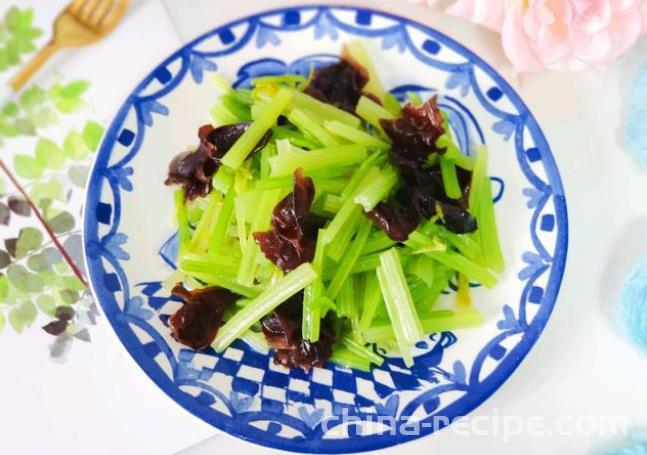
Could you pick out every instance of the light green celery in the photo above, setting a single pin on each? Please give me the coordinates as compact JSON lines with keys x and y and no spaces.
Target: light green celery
{"x":418,"y":289}
{"x":223,"y":179}
{"x":343,"y":155}
{"x":256,"y":341}
{"x":252,"y":136}
{"x":355,"y":135}
{"x":452,"y":152}
{"x":349,"y":259}
{"x":221,"y":264}
{"x":271,"y":298}
{"x":218,"y":237}
{"x":464,"y":243}
{"x":423,"y":267}
{"x":465,"y":266}
{"x":357,"y":51}
{"x":331,"y":203}
{"x":479,"y":176}
{"x":328,"y":185}
{"x":450,"y":178}
{"x":295,"y":137}
{"x":372,"y":112}
{"x":221,"y":83}
{"x":318,"y":109}
{"x":346,"y":359}
{"x":283,"y":147}
{"x":311,"y":324}
{"x":399,"y":304}
{"x":337,"y":247}
{"x":273,"y":183}
{"x":200,"y":239}
{"x":222,"y":116}
{"x":432,"y":322}
{"x":346,"y":300}
{"x":310,"y":126}
{"x":488,"y":232}
{"x":392,"y":104}
{"x":372,"y":299}
{"x":378,"y":241}
{"x":268,"y":151}
{"x":376,"y":189}
{"x":241,"y":111}
{"x":359,"y":174}
{"x":362,"y":351}
{"x":414,"y":98}
{"x":367,"y":263}
{"x":216,"y":279}
{"x":183,"y":228}
{"x":290,"y":79}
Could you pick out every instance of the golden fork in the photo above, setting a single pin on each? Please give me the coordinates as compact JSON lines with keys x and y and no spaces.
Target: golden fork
{"x":82,"y":22}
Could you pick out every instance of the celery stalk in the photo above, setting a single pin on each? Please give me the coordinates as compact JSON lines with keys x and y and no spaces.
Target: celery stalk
{"x":223,"y":281}
{"x":225,"y":265}
{"x":372,"y":112}
{"x":308,"y":125}
{"x":271,"y":298}
{"x":377,"y":189}
{"x":312,"y":293}
{"x":378,"y":241}
{"x":346,"y":359}
{"x":450,"y":178}
{"x":184,"y":230}
{"x":463,"y":265}
{"x":200,"y":239}
{"x":362,"y":351}
{"x":357,"y":51}
{"x":414,"y":98}
{"x":488,"y":230}
{"x":355,"y":135}
{"x":343,"y":155}
{"x":479,"y":175}
{"x":222,"y":223}
{"x":346,"y":300}
{"x":337,"y":247}
{"x":252,"y":136}
{"x":372,"y":299}
{"x":319,"y":109}
{"x":399,"y":304}
{"x":349,"y":259}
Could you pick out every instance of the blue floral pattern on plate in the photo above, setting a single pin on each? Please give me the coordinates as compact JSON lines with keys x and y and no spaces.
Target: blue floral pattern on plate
{"x":240,"y":391}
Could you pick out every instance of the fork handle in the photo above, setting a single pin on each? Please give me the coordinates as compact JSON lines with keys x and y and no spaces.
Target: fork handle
{"x":37,"y":61}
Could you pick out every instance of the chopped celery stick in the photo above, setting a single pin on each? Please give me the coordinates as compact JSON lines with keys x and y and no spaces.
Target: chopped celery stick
{"x":479,"y":176}
{"x":399,"y":304}
{"x":295,"y":137}
{"x":318,"y":109}
{"x":367,"y":263}
{"x":268,"y":151}
{"x":419,"y":290}
{"x":463,"y":265}
{"x":464,"y":243}
{"x":217,"y":240}
{"x":346,"y":359}
{"x":357,"y":179}
{"x":271,"y":298}
{"x":346,"y":300}
{"x":178,"y":276}
{"x":378,"y":241}
{"x":343,"y":155}
{"x":337,"y":247}
{"x":283,"y":147}
{"x":312,"y":294}
{"x":266,"y":205}
{"x":392,"y":104}
{"x":290,"y":79}
{"x":432,"y":322}
{"x":217,"y":279}
{"x":372,"y":298}
{"x":450,"y":178}
{"x":372,"y":112}
{"x":310,"y":126}
{"x":423,"y":268}
{"x":256,"y":341}
{"x":221,"y":83}
{"x":273,"y":183}
{"x":253,"y":135}
{"x":488,"y":229}
{"x":200,"y":239}
{"x":424,"y":244}
{"x":377,"y":189}
{"x":222,"y":116}
{"x":463,"y":299}
{"x":232,"y":104}
{"x":327,"y":185}
{"x":355,"y":135}
{"x":225,"y":265}
{"x":332,"y":203}
{"x":453,"y":153}
{"x":357,"y":51}
{"x":362,"y":351}
{"x":414,"y":98}
{"x":223,"y":179}
{"x":349,"y":259}
{"x":184,"y":230}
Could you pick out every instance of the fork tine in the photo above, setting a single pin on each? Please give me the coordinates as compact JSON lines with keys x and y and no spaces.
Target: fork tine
{"x":75,"y":6}
{"x":113,"y":15}
{"x":99,"y":12}
{"x":88,"y":10}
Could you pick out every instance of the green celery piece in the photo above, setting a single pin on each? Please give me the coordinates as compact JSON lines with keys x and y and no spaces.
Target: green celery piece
{"x":450,"y":178}
{"x":452,"y":152}
{"x":231,"y":103}
{"x":332,"y":204}
{"x":273,"y":183}
{"x":333,"y":186}
{"x":357,"y":51}
{"x":222,"y":180}
{"x":289,"y":79}
{"x":367,"y":263}
{"x":310,"y":126}
{"x":295,"y":137}
{"x":414,"y":98}
{"x":346,"y":300}
{"x":268,"y":151}
{"x":463,"y":265}
{"x":392,"y":104}
{"x":218,"y":237}
{"x":377,"y":189}
{"x":479,"y":175}
{"x":399,"y":304}
{"x":338,"y":246}
{"x":218,"y":279}
{"x":318,"y":109}
{"x":432,"y":322}
{"x":256,"y":341}
{"x":200,"y":239}
{"x":357,"y":180}
{"x":423,"y":267}
{"x":372,"y":299}
{"x":372,"y":112}
{"x":311,"y":323}
{"x":225,"y":265}
{"x":222,"y":116}
{"x":378,"y":241}
{"x":271,"y":298}
{"x":362,"y":351}
{"x":350,"y":258}
{"x":343,"y":155}
{"x":464,"y":243}
{"x":488,"y":232}
{"x":346,"y":359}
{"x":266,"y":119}
{"x":184,"y":230}
{"x":355,"y":135}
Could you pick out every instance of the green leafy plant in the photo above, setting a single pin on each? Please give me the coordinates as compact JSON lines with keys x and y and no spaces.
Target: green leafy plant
{"x":17,"y":36}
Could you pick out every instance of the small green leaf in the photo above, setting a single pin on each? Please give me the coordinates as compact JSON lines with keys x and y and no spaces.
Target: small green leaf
{"x":24,"y":280}
{"x":49,"y":155}
{"x":22,"y":316}
{"x":29,"y":239}
{"x":42,"y":117}
{"x":32,"y":97}
{"x":69,"y":297}
{"x":74,"y":89}
{"x":61,"y":223}
{"x":92,"y":133}
{"x":4,"y":288}
{"x":73,"y":283}
{"x":74,"y":146}
{"x":11,"y":109}
{"x":27,"y":167}
{"x":11,"y":18}
{"x":50,"y":189}
{"x":78,"y":175}
{"x":46,"y":304}
{"x":67,"y":98}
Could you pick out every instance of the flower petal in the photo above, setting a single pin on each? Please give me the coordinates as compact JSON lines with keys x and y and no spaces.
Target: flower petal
{"x":516,"y":44}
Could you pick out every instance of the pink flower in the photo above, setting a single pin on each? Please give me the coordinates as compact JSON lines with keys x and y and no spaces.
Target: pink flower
{"x":559,"y":35}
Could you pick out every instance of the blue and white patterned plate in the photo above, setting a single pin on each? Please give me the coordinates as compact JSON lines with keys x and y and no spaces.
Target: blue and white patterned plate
{"x":129,"y":237}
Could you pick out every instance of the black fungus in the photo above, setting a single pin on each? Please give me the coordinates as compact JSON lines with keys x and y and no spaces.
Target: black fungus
{"x":397,"y":221}
{"x":293,"y":236}
{"x":194,"y":170}
{"x":340,"y":84}
{"x":196,"y":323}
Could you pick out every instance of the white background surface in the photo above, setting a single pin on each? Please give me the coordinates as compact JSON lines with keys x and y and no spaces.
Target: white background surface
{"x":99,"y":402}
